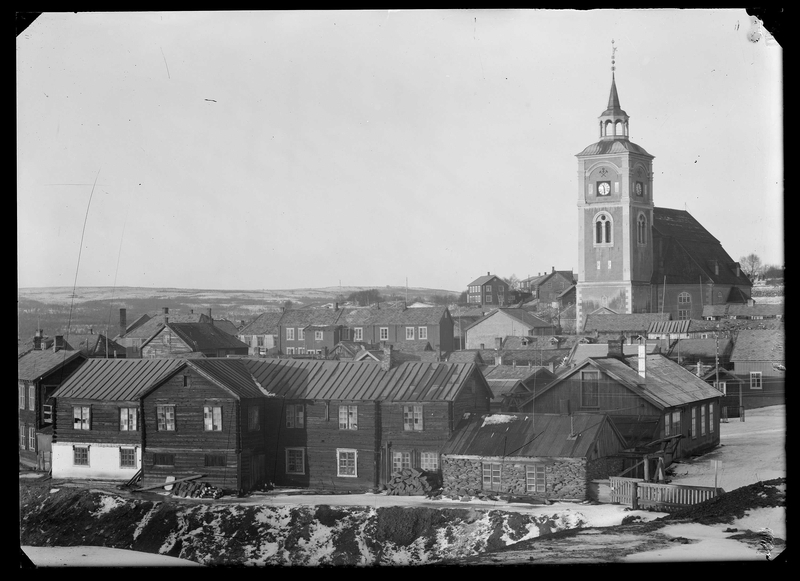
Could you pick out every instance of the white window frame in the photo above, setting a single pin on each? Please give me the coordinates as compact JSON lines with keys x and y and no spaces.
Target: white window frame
{"x":384,"y":333}
{"x":412,"y":418}
{"x":711,"y":418}
{"x":423,"y":333}
{"x":595,"y":379}
{"x":677,"y":428}
{"x":290,"y":350}
{"x":694,"y":423}
{"x":290,"y":333}
{"x":358,"y":334}
{"x":22,"y":392}
{"x":295,"y":416}
{"x":722,"y":386}
{"x":535,"y":478}
{"x":317,"y":335}
{"x":488,"y":298}
{"x":23,"y":440}
{"x":47,"y":413}
{"x":756,"y":380}
{"x":348,"y":417}
{"x":128,"y":419}
{"x":75,"y":457}
{"x":345,"y":470}
{"x":293,"y":463}
{"x":429,"y":461}
{"x":607,"y":233}
{"x":409,"y":333}
{"x":32,"y":397}
{"x":127,"y":449}
{"x":400,"y":460}
{"x":301,"y":334}
{"x":703,"y":419}
{"x":81,"y":417}
{"x":165,"y":418}
{"x":212,"y":418}
{"x":491,"y":476}
{"x":32,"y":438}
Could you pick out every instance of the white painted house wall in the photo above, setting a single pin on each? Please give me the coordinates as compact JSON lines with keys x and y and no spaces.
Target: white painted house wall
{"x":104,"y":462}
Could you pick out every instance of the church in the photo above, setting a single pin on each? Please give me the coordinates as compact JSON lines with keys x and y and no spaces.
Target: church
{"x":635,"y":257}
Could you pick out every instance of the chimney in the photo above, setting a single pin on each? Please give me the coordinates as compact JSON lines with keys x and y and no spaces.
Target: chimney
{"x":166,"y":310}
{"x":335,"y":306}
{"x":210,"y":318}
{"x":615,"y":347}
{"x":386,"y":364}
{"x":699,"y":369}
{"x":498,"y":343}
{"x":498,"y":359}
{"x":551,"y":367}
{"x":123,"y":322}
{"x":37,"y":341}
{"x":58,"y":344}
{"x":643,"y":359}
{"x":554,"y":269}
{"x":488,"y":274}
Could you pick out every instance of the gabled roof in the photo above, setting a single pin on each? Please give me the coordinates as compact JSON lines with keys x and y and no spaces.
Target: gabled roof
{"x":355,"y":317}
{"x":520,"y":315}
{"x":304,"y":317}
{"x":484,"y":279}
{"x":759,"y":345}
{"x":709,"y":347}
{"x":416,"y":346}
{"x":34,"y":365}
{"x":116,"y":379}
{"x":227,"y":326}
{"x":426,"y":381}
{"x":201,"y":336}
{"x":583,"y":351}
{"x":155,"y":323}
{"x":622,"y":323}
{"x":518,"y":435}
{"x":687,"y":253}
{"x":96,"y":344}
{"x":465,"y":356}
{"x":230,"y":374}
{"x":265,"y":324}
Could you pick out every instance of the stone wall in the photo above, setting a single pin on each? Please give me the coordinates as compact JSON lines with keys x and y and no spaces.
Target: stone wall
{"x":564,"y":477}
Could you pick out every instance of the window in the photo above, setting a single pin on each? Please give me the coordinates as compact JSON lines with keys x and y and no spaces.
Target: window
{"x":358,"y":334}
{"x":488,"y":298}
{"x":423,"y":332}
{"x":166,"y":418}
{"x":216,"y":460}
{"x":163,"y":459}
{"x":755,"y":380}
{"x":21,"y":395}
{"x":535,"y":478}
{"x":694,"y":423}
{"x":711,"y":418}
{"x":703,"y":420}
{"x":491,"y":476}
{"x":318,"y":335}
{"x":409,"y":333}
{"x":347,"y":462}
{"x":412,"y":418}
{"x":384,"y":334}
{"x":676,"y":423}
{"x":294,"y":416}
{"x":684,"y":306}
{"x":590,"y":389}
{"x":301,"y":334}
{"x":127,"y":420}
{"x":290,"y":350}
{"x":47,"y":414}
{"x":348,"y":417}
{"x":80,"y":455}
{"x":289,"y":334}
{"x":212,"y":418}
{"x":127,"y":458}
{"x":259,"y":340}
{"x":602,"y":229}
{"x":295,"y":461}
{"x":721,"y":386}
{"x":32,"y":439}
{"x":31,"y":397}
{"x":429,"y":461}
{"x":400,"y":460}
{"x":667,"y":427}
{"x":22,"y":431}
{"x":253,"y":419}
{"x":641,"y":230}
{"x":81,"y":417}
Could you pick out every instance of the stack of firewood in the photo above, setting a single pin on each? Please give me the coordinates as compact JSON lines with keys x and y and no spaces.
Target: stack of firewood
{"x":189,"y":489}
{"x":412,"y":482}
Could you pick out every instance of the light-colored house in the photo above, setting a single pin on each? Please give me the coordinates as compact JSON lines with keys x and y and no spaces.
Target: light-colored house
{"x":504,"y":322}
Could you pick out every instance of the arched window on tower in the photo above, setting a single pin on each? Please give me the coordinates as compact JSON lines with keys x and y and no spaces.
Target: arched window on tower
{"x":609,"y":129}
{"x":641,"y":230}
{"x":618,"y":128}
{"x":602,"y":229}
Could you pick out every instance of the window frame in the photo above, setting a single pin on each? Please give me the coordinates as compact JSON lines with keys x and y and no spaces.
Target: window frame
{"x":125,"y":413}
{"x":429,"y":461}
{"x":166,"y":418}
{"x":535,"y":478}
{"x":694,"y":422}
{"x":422,"y":333}
{"x":703,"y":430}
{"x":358,"y":334}
{"x":603,"y":229}
{"x":318,"y":336}
{"x":290,"y":333}
{"x":163,"y":456}
{"x":132,"y":451}
{"x":586,"y":396}
{"x":85,"y":422}
{"x":84,"y":451}
{"x":401,"y":459}
{"x":215,"y":460}
{"x":31,"y":397}
{"x":254,"y":418}
{"x":212,"y":413}
{"x":413,"y":418}
{"x":409,"y":333}
{"x":493,"y":473}
{"x":288,"y":462}
{"x":711,"y":417}
{"x":31,"y":438}
{"x":756,"y":380}
{"x":301,"y":334}
{"x":339,"y":466}
{"x":23,"y":436}
{"x":22,"y":395}
{"x":350,"y":417}
{"x":295,"y":416}
{"x":383,"y":333}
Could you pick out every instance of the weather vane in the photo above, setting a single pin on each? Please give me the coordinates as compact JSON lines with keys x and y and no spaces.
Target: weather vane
{"x":613,"y":52}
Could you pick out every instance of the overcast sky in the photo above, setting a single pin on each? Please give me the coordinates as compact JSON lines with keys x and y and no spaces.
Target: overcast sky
{"x":276,"y":150}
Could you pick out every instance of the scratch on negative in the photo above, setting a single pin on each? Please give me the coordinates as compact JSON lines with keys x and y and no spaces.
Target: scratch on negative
{"x":165,"y":61}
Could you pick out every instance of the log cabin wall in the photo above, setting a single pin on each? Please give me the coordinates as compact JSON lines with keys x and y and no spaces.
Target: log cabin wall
{"x":104,"y":422}
{"x":472,"y":398}
{"x":396,"y":436}
{"x":189,"y":448}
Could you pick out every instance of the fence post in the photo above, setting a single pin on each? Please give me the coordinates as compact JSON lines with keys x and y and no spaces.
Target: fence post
{"x":635,"y":495}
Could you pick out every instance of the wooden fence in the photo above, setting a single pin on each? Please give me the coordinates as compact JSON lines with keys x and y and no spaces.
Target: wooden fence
{"x":639,"y":494}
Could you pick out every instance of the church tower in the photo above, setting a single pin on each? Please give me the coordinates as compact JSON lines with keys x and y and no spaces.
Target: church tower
{"x":615,"y":218}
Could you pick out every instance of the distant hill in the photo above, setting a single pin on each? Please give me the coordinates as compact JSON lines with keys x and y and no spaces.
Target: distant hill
{"x":57,"y":310}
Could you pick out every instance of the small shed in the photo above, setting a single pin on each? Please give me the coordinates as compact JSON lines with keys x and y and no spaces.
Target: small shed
{"x":538,"y":455}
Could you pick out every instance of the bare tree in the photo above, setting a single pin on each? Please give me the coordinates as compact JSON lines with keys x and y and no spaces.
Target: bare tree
{"x":751,"y":265}
{"x":512,"y":281}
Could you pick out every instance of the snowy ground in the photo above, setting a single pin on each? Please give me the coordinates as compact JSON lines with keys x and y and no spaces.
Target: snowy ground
{"x":750,"y":451}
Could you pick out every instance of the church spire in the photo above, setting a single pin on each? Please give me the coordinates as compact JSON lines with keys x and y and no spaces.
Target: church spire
{"x":613,"y":98}
{"x":613,"y":121}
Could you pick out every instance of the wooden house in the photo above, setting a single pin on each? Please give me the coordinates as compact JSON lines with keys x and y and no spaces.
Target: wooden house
{"x":261,"y":334}
{"x":400,"y":326}
{"x":546,"y":456}
{"x":97,"y":345}
{"x":581,"y":351}
{"x":133,"y":336}
{"x":547,"y":287}
{"x":192,"y":339}
{"x":348,"y":350}
{"x":208,"y":418}
{"x":292,"y":330}
{"x":759,"y":361}
{"x":649,"y":397}
{"x":512,"y":384}
{"x":39,"y":374}
{"x":504,"y":322}
{"x":98,"y":429}
{"x":488,"y":290}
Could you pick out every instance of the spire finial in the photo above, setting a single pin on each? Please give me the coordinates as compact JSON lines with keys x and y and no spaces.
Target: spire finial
{"x":613,"y":53}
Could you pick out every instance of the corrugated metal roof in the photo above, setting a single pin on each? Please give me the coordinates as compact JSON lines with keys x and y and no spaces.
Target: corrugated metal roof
{"x":232,"y":374}
{"x":117,"y":379}
{"x":203,"y":336}
{"x":676,"y":327}
{"x":426,"y":381}
{"x":527,"y":435}
{"x":613,"y":323}
{"x":35,"y":364}
{"x":152,"y":325}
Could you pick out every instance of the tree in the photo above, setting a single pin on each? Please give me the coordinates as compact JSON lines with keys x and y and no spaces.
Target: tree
{"x":751,"y":265}
{"x":365,"y":297}
{"x":512,"y":281}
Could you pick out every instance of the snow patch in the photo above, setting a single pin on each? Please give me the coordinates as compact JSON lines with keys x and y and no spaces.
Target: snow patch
{"x":498,"y":419}
{"x":107,"y":504}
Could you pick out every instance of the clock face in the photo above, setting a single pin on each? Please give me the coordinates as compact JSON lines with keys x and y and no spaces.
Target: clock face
{"x":603,"y":189}
{"x":639,"y":188}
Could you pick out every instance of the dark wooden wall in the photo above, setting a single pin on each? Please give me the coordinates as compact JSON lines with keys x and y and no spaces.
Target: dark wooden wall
{"x":104,"y":422}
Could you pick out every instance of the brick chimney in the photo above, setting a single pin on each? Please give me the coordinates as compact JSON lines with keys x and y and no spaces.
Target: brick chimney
{"x":386,"y":363}
{"x":123,"y":322}
{"x":615,"y":347}
{"x":37,"y":339}
{"x":58,"y":343}
{"x":643,"y":359}
{"x":211,"y":319}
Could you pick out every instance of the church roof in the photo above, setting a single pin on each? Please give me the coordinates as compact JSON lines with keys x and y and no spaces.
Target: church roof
{"x":614,"y":146}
